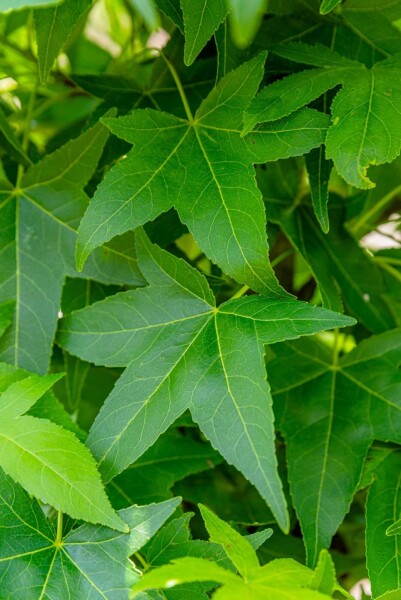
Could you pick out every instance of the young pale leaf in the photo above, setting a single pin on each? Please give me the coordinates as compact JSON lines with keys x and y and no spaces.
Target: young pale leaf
{"x":49,"y":461}
{"x":324,"y":578}
{"x":179,"y":347}
{"x":53,"y":26}
{"x":382,"y":512}
{"x":148,"y":12}
{"x":328,"y":440}
{"x":245,"y":17}
{"x":328,"y":5}
{"x":51,"y":200}
{"x":34,"y":565}
{"x":204,"y":168}
{"x":237,"y":548}
{"x":20,"y":396}
{"x":15,"y":4}
{"x":201,"y":19}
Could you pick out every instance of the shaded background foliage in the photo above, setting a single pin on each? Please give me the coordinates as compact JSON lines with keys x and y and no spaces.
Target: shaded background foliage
{"x":152,"y":155}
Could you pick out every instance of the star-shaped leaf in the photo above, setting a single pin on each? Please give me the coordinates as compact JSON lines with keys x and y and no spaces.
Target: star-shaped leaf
{"x":280,"y":579}
{"x":39,"y":221}
{"x":49,"y":461}
{"x":88,"y":562}
{"x":330,"y":409}
{"x":365,"y":128}
{"x":183,"y":352}
{"x":204,"y":168}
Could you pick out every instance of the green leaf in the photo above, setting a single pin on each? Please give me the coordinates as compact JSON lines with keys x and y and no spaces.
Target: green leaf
{"x":21,"y":395}
{"x":48,"y":461}
{"x":10,"y":143}
{"x":198,"y":348}
{"x":51,"y":200}
{"x":53,"y":26}
{"x":371,"y":132}
{"x":364,"y":129}
{"x":6,"y":5}
{"x":237,"y":548}
{"x":6,"y":315}
{"x":171,"y":458}
{"x":382,"y":513}
{"x":319,"y":169}
{"x":34,"y":564}
{"x":199,"y":167}
{"x":328,"y":5}
{"x":201,"y":19}
{"x":245,"y":18}
{"x":347,"y":403}
{"x":359,"y":283}
{"x":324,"y":578}
{"x":148,"y":12}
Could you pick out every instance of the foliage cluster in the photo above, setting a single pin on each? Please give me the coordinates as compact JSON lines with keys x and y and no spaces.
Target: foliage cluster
{"x":200,"y":288}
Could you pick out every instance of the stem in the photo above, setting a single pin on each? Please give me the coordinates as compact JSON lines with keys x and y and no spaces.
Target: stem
{"x":26,"y":132}
{"x":180,"y":89}
{"x":336,"y":347}
{"x":141,"y":560}
{"x":59,"y":534}
{"x":243,"y":290}
{"x":358,"y":227}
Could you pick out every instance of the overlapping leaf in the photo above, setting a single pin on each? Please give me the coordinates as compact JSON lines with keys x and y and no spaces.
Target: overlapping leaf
{"x":38,"y":222}
{"x":183,"y":352}
{"x":281,"y":579}
{"x":36,"y":564}
{"x":54,"y":25}
{"x":383,"y":509}
{"x":46,"y":459}
{"x":345,"y":404}
{"x":365,"y":127}
{"x":204,"y":168}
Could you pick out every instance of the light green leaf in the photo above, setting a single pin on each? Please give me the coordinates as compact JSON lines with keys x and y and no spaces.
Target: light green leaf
{"x":201,"y":19}
{"x":148,"y":12}
{"x":198,"y":348}
{"x":34,"y":565}
{"x":53,"y":26}
{"x":51,"y":200}
{"x":20,"y":396}
{"x":6,"y":5}
{"x":328,"y":5}
{"x":383,"y":509}
{"x":328,"y":441}
{"x":237,"y":548}
{"x":245,"y":17}
{"x":205,"y":169}
{"x":324,"y":578}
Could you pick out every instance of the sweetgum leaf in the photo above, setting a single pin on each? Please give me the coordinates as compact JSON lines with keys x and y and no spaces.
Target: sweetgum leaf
{"x":51,"y":200}
{"x":347,"y":403}
{"x":48,"y":460}
{"x":204,"y":168}
{"x":183,"y":352}
{"x":53,"y":26}
{"x":33,"y":565}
